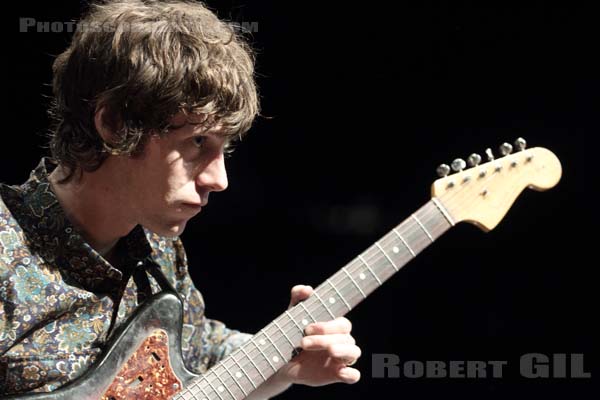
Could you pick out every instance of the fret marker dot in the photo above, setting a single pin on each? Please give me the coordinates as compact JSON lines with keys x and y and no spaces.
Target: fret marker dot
{"x":304,"y":322}
{"x":275,"y":358}
{"x":238,"y":374}
{"x":331,"y":300}
{"x":362,"y":276}
{"x":395,"y":249}
{"x":262,"y":342}
{"x":221,"y":389}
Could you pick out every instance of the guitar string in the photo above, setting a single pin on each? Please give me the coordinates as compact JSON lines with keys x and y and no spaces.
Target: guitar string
{"x":267,"y":333}
{"x":321,"y":308}
{"x":313,"y":312}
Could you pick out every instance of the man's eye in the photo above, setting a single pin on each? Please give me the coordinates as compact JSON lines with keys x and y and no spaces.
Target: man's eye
{"x":199,"y":140}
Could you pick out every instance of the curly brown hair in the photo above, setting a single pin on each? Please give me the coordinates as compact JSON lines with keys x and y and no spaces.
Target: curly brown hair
{"x":143,"y":61}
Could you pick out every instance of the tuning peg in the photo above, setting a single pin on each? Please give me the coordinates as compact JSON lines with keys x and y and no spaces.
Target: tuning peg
{"x":458,"y":165}
{"x":520,"y":144}
{"x":474,"y":160}
{"x":443,"y":170}
{"x":505,"y":148}
{"x":489,"y":154}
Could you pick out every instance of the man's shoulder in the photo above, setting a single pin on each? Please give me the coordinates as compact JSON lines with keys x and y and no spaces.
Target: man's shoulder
{"x":8,"y":195}
{"x":11,"y":234}
{"x":18,"y":258}
{"x":11,"y":201}
{"x":17,"y":262}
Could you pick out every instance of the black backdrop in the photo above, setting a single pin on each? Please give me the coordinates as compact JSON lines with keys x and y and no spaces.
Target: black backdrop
{"x":365,"y":101}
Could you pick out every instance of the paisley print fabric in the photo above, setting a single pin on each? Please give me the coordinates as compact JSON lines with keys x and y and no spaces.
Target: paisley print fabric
{"x":57,"y":294}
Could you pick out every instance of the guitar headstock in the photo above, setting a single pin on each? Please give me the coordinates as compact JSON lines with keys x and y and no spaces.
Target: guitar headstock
{"x":483,"y":193}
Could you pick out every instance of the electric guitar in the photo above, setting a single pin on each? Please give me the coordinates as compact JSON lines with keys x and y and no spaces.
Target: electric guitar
{"x":143,"y":360}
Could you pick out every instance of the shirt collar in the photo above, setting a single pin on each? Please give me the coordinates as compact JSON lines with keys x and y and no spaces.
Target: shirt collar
{"x":58,"y":241}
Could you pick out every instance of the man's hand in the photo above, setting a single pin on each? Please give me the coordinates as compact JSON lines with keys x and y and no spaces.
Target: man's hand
{"x":328,"y":350}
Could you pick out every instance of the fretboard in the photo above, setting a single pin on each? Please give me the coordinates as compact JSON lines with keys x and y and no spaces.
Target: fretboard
{"x":236,"y":376}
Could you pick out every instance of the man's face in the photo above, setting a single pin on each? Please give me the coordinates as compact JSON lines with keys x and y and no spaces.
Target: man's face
{"x":173,"y":177}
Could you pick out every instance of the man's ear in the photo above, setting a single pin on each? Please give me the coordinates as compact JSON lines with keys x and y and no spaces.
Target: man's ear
{"x":104,"y":125}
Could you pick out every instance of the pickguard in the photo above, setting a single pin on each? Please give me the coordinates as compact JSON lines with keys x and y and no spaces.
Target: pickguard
{"x":147,"y":374}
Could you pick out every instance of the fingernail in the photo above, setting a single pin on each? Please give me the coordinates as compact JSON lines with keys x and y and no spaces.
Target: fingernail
{"x":345,"y":373}
{"x":306,"y":342}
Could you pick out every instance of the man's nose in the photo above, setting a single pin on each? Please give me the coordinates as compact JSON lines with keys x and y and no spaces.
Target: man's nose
{"x":214,"y":175}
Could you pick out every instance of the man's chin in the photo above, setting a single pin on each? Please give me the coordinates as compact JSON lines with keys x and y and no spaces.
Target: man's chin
{"x":171,"y":229}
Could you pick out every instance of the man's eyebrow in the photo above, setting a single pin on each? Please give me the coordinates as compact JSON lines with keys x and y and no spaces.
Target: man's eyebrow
{"x":204,"y":132}
{"x":230,"y":137}
{"x":228,"y":140}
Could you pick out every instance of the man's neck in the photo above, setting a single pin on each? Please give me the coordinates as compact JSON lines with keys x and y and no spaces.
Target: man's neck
{"x":92,"y":205}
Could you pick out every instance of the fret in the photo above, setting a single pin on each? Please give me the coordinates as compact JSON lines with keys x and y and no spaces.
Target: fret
{"x":434,"y":219}
{"x":431,"y":220}
{"x":422,"y":227}
{"x":370,"y":270}
{"x":242,"y":369}
{"x":443,"y":211}
{"x":181,"y":395}
{"x":284,"y":334}
{"x":252,"y":362}
{"x":324,"y":305}
{"x":203,"y":393}
{"x":234,"y":379}
{"x":339,"y":294}
{"x":276,"y":348}
{"x":187,"y":391}
{"x":354,"y":282}
{"x":214,"y":390}
{"x":222,"y":387}
{"x":307,"y":312}
{"x":404,"y":242}
{"x":386,"y":256}
{"x":294,"y":321}
{"x":263,"y":354}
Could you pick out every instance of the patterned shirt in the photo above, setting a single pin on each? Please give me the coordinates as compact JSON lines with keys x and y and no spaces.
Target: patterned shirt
{"x":57,"y":294}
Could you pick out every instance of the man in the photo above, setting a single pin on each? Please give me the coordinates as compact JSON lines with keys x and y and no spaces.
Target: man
{"x":149,"y":96}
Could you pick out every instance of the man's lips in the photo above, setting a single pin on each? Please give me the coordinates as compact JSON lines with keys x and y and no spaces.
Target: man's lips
{"x":193,"y":208}
{"x":193,"y":205}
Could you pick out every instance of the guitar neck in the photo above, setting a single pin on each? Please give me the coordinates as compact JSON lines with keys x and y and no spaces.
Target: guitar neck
{"x":274,"y":345}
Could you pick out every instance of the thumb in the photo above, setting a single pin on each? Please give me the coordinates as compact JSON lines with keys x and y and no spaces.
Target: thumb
{"x":299,"y":293}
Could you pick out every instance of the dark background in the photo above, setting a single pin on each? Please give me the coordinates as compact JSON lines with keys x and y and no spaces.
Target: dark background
{"x":364,"y":101}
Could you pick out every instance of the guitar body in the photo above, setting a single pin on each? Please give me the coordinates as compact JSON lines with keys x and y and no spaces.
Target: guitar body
{"x":142,"y":361}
